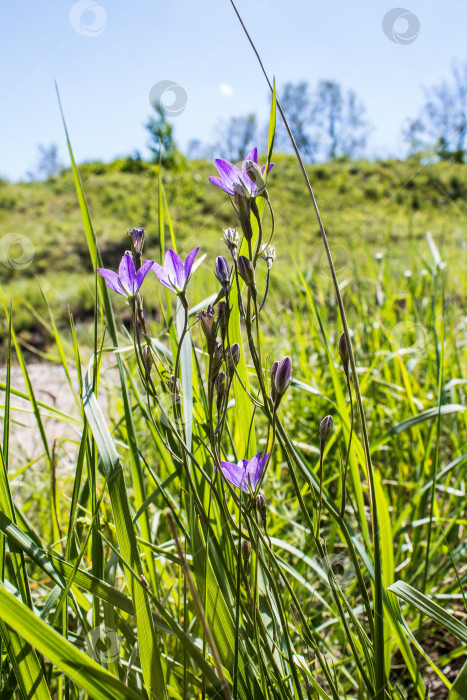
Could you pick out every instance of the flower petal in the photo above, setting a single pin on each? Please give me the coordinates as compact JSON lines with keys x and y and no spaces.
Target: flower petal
{"x":162,"y":276}
{"x":189,"y":263}
{"x":127,"y":274}
{"x":142,"y":272}
{"x":173,"y":268}
{"x":255,"y":468}
{"x":229,"y":173}
{"x":235,"y":474}
{"x":112,"y":281}
{"x":253,"y":155}
{"x":219,"y":182}
{"x":271,"y":165}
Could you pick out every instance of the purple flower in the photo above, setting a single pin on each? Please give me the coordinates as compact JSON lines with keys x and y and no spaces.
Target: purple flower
{"x":245,"y":473}
{"x":232,"y":179}
{"x":174,"y":274}
{"x":128,"y":282}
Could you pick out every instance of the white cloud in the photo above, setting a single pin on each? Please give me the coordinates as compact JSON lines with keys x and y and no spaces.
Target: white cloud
{"x":225,"y":89}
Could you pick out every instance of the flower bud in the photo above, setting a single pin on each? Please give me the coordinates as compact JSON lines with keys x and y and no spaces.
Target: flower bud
{"x":137,"y":239}
{"x":269,"y":255}
{"x":246,"y":551}
{"x":222,"y":271}
{"x":246,"y":271}
{"x":261,"y":506}
{"x":283,"y":375}
{"x":325,"y":429}
{"x":223,"y":314}
{"x":254,"y":173}
{"x":231,"y":240}
{"x":233,"y":357}
{"x":217,"y":359}
{"x":344,"y":353}
{"x":242,"y":204}
{"x":147,"y":359}
{"x":221,"y":389}
{"x":174,"y":385}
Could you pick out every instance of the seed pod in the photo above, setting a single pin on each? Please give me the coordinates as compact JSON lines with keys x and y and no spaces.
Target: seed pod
{"x":206,"y":319}
{"x":147,"y":359}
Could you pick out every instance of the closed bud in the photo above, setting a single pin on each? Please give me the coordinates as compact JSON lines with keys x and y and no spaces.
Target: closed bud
{"x":223,"y":314}
{"x":246,"y":271}
{"x":283,"y":375}
{"x":344,"y":353}
{"x":217,"y":359}
{"x":222,"y":271}
{"x":325,"y":429}
{"x":221,"y":383}
{"x":174,"y":385}
{"x":246,"y":551}
{"x":242,"y":204}
{"x":137,"y":239}
{"x":231,"y":240}
{"x":254,"y":173}
{"x":261,"y":506}
{"x":147,"y":358}
{"x":233,"y":357}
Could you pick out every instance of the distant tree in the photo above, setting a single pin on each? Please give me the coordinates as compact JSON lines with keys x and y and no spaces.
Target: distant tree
{"x":237,"y":137}
{"x":295,"y":100}
{"x":442,"y":123}
{"x":48,"y":163}
{"x":340,"y":121}
{"x":162,"y":144}
{"x":197,"y":150}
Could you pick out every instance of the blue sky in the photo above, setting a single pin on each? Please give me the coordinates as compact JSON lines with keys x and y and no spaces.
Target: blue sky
{"x":105,"y":78}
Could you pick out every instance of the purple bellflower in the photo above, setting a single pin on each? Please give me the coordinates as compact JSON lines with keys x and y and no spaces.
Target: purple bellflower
{"x":246,"y":474}
{"x":127,"y":282}
{"x":174,"y":274}
{"x":232,"y":179}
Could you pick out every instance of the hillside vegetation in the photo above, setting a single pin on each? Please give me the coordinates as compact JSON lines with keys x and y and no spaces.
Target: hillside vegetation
{"x":366,"y":207}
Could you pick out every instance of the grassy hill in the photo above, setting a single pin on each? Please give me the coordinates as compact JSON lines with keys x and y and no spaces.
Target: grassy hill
{"x":366,"y":207}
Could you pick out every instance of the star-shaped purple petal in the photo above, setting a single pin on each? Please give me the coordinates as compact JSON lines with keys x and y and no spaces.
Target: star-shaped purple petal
{"x":231,"y":177}
{"x":246,"y":474}
{"x":174,"y":274}
{"x":128,"y":281}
